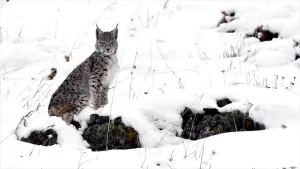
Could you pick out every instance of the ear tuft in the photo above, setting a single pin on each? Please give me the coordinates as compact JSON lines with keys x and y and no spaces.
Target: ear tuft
{"x":115,"y":32}
{"x":98,"y":31}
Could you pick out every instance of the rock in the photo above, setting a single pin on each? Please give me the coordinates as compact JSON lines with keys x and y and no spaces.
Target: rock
{"x":223,"y":102}
{"x":76,"y":124}
{"x":297,"y":56}
{"x":249,"y":124}
{"x":211,"y":111}
{"x":45,"y":138}
{"x":96,"y":119}
{"x":263,"y":34}
{"x":119,"y":136}
{"x":227,"y":17}
{"x":196,"y":126}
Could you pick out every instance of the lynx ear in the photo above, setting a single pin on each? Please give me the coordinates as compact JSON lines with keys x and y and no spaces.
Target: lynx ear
{"x":98,"y":31}
{"x":115,"y":32}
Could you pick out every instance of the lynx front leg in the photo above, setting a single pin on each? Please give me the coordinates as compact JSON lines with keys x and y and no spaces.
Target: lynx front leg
{"x":95,"y":93}
{"x":104,"y":96}
{"x":68,"y":117}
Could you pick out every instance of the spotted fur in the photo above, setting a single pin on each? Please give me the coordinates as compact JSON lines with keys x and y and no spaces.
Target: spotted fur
{"x":88,"y":83}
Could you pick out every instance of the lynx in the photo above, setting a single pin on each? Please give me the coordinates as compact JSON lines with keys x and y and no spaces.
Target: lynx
{"x":88,"y":83}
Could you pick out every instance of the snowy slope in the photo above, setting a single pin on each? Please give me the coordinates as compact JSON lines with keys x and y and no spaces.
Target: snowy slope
{"x":172,"y":55}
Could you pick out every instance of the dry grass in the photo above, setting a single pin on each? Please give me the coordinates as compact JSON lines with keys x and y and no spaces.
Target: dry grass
{"x":52,"y":74}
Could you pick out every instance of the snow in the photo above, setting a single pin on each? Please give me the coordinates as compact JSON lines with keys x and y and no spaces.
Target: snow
{"x":232,"y":150}
{"x":169,"y":59}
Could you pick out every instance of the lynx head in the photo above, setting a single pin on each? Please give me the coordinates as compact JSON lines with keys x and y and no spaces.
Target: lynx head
{"x":107,"y":43}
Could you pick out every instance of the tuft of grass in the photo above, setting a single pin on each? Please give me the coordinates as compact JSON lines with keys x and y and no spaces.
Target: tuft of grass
{"x":67,"y":57}
{"x":52,"y":74}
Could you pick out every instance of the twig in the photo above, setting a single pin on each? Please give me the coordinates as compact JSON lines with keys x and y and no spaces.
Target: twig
{"x":185,"y":150}
{"x":212,"y":154}
{"x":202,"y":152}
{"x":234,"y":121}
{"x":32,"y":150}
{"x":133,"y":67}
{"x":6,"y":137}
{"x":146,"y":157}
{"x":48,"y":139}
{"x":24,"y":118}
{"x":144,"y":81}
{"x":20,"y":32}
{"x":148,"y":20}
{"x":168,"y":165}
{"x":86,"y":162}
{"x":194,"y":152}
{"x":113,"y":96}
{"x":80,"y":159}
{"x":7,"y":95}
{"x":166,"y":3}
{"x":164,"y":135}
{"x":171,"y":155}
{"x":37,"y":91}
{"x":10,"y":71}
{"x":153,"y":80}
{"x":139,"y":16}
{"x":192,"y":126}
{"x":160,"y":52}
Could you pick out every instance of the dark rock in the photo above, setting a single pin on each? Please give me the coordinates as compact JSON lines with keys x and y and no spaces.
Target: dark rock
{"x":259,"y":126}
{"x":230,"y":31}
{"x":283,"y":126}
{"x":263,"y":34}
{"x":196,"y":126}
{"x":249,"y":124}
{"x":45,"y":138}
{"x":223,"y":102}
{"x":118,"y":121}
{"x":119,"y":135}
{"x":186,"y":115}
{"x":76,"y":124}
{"x":102,"y":120}
{"x":297,"y":56}
{"x":93,"y":119}
{"x":96,"y":119}
{"x":211,"y":111}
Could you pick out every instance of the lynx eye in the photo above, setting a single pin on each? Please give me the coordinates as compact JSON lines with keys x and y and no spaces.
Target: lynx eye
{"x":102,"y":43}
{"x":113,"y":43}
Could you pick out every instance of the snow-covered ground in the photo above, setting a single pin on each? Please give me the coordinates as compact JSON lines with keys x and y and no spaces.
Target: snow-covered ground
{"x":172,"y":55}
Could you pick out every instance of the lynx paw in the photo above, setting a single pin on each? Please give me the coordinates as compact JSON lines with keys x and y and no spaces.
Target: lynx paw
{"x":96,"y":107}
{"x":103,"y":102}
{"x":68,"y":117}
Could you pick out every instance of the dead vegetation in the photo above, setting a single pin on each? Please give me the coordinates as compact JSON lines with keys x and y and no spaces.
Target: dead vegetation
{"x":67,"y":57}
{"x":52,"y":74}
